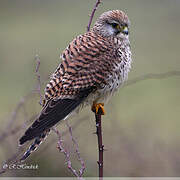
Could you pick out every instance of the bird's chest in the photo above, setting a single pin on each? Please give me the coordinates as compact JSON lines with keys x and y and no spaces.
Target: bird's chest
{"x":120,"y":69}
{"x":116,"y":75}
{"x":119,"y":73}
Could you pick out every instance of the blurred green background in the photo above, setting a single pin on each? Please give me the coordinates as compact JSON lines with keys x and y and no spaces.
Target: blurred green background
{"x":141,"y":127}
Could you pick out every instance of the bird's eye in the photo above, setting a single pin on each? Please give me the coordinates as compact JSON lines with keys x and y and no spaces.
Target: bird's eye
{"x":114,"y":25}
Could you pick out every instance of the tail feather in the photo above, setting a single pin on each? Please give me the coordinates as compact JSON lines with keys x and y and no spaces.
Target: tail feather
{"x":33,"y":147}
{"x":54,"y":111}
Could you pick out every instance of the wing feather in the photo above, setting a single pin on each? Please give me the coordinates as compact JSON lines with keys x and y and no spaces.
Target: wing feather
{"x":52,"y":113}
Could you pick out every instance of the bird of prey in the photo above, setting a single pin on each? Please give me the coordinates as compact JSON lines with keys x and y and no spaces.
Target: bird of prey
{"x":93,"y":67}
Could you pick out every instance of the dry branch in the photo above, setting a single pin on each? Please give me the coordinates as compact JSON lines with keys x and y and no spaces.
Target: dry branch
{"x":37,"y":58}
{"x":7,"y":130}
{"x":66,"y":153}
{"x":92,"y":14}
{"x":152,"y":76}
{"x":82,"y":169}
{"x":100,"y":144}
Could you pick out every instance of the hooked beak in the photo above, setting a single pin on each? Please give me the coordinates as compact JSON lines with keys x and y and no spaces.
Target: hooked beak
{"x":125,"y":30}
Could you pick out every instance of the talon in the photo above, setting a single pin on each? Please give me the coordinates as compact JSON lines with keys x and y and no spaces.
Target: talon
{"x":96,"y":107}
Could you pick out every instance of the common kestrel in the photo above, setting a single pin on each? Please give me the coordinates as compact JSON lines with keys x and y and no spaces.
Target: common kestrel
{"x":93,"y":67}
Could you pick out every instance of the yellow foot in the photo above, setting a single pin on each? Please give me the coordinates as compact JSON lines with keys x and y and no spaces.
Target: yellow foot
{"x":96,"y":107}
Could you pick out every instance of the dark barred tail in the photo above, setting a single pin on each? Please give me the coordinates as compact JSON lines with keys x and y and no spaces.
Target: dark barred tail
{"x":38,"y":140}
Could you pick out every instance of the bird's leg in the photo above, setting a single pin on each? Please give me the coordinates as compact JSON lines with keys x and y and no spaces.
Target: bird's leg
{"x":98,"y":107}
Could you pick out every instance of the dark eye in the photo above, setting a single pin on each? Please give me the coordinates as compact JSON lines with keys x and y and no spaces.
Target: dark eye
{"x":114,"y":25}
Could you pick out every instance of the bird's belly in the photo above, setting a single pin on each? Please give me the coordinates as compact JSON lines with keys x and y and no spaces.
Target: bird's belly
{"x":103,"y":95}
{"x":114,"y":82}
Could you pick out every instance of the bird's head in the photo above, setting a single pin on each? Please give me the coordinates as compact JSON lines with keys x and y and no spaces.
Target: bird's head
{"x":112,"y":23}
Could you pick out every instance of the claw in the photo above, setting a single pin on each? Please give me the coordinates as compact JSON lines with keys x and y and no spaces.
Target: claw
{"x":96,"y":107}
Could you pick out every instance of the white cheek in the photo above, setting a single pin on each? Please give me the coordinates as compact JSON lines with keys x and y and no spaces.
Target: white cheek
{"x":110,"y":30}
{"x":123,"y":36}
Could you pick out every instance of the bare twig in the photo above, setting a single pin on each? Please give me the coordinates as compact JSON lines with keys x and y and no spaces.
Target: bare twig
{"x":74,"y":126}
{"x":152,"y":76}
{"x":15,"y":130}
{"x":82,"y":169}
{"x":66,"y":153}
{"x":6,"y":134}
{"x":100,"y":144}
{"x":14,"y":115}
{"x":37,"y":58}
{"x":92,"y":14}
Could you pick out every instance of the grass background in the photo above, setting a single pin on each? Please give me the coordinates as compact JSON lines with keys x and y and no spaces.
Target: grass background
{"x":141,"y":128}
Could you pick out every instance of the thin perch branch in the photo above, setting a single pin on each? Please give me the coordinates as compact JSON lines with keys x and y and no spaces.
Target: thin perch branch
{"x":74,"y":126}
{"x":7,"y":130}
{"x":38,"y":78}
{"x":82,"y":169}
{"x":61,"y":148}
{"x":92,"y":14}
{"x":152,"y":76}
{"x":100,"y":144}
